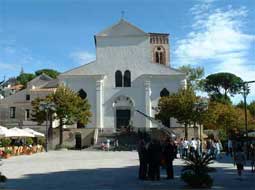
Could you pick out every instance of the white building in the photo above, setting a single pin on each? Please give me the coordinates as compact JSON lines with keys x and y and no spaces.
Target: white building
{"x":131,"y":71}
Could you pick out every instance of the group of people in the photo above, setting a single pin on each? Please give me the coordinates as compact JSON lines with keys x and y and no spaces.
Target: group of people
{"x":154,"y":154}
{"x":241,"y":154}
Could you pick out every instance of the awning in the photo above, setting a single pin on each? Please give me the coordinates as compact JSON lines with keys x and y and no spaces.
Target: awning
{"x":16,"y":132}
{"x":35,"y":133}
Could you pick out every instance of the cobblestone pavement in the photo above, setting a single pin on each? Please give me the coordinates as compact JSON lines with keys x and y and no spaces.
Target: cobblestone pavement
{"x":95,"y":170}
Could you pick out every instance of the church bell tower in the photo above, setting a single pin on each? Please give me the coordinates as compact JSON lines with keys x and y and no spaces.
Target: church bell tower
{"x":160,"y":48}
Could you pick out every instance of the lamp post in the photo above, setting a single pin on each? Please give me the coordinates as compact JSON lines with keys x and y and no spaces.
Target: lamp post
{"x":245,"y":92}
{"x":47,"y":107}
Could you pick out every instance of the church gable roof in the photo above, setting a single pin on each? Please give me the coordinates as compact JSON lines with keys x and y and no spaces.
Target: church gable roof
{"x":122,"y":28}
{"x":87,"y":69}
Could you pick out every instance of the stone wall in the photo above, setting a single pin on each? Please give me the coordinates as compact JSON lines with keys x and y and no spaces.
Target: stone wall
{"x":69,"y":137}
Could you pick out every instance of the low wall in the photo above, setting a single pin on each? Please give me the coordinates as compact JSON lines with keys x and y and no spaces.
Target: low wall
{"x":69,"y":137}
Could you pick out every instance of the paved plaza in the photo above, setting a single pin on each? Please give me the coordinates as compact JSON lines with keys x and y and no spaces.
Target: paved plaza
{"x":96,"y":170}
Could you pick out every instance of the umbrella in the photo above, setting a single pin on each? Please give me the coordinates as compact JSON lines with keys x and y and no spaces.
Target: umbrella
{"x":16,"y":132}
{"x":35,"y":133}
{"x":5,"y":132}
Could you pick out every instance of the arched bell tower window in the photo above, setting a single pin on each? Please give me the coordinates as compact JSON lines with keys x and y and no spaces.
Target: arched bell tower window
{"x":160,"y":55}
{"x":82,"y":94}
{"x":127,"y":78}
{"x":164,"y":93}
{"x":118,"y":79}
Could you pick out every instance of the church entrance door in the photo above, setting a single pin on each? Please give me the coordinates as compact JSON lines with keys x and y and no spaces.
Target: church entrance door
{"x":123,"y":118}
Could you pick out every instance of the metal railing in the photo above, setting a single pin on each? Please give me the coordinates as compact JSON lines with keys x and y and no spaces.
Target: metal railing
{"x":167,"y":130}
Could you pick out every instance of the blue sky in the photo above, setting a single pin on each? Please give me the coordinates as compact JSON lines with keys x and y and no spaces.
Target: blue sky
{"x":58,"y":34}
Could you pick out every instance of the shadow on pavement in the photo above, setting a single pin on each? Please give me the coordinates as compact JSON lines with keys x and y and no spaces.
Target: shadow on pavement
{"x":93,"y":179}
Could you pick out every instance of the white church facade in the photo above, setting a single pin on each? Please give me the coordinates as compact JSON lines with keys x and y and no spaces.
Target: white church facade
{"x":131,"y":72}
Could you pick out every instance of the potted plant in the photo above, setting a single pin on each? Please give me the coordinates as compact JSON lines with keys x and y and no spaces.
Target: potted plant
{"x":7,"y":153}
{"x":6,"y":142}
{"x":195,"y":172}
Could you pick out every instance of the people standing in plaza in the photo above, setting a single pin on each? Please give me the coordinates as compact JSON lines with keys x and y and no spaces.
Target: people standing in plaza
{"x":199,"y":149}
{"x":218,"y":147}
{"x":209,"y":146}
{"x":252,"y":157}
{"x":185,"y":145}
{"x":193,"y":146}
{"x":230,"y":148}
{"x":154,"y":158}
{"x":239,"y":160}
{"x":108,"y":144}
{"x":180,"y":148}
{"x":169,"y":155}
{"x":143,"y":159}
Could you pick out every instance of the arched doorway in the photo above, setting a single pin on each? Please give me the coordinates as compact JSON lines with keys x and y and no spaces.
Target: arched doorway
{"x":124,"y":110}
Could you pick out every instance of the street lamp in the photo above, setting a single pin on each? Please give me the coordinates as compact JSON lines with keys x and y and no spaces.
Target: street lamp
{"x":47,"y":107}
{"x":245,"y":92}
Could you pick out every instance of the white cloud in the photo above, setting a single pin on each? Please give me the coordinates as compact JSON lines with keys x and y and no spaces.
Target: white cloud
{"x":82,"y":57}
{"x":218,"y":36}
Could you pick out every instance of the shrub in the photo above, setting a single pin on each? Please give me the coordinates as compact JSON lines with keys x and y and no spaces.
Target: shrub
{"x":41,"y":141}
{"x":195,"y":172}
{"x":29,"y":141}
{"x":6,"y":142}
{"x":197,"y":181}
{"x":7,"y":151}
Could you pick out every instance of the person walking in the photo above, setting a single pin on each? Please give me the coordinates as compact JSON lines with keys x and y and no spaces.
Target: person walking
{"x":193,"y":146}
{"x":239,"y":160}
{"x":252,"y":157}
{"x":230,"y":147}
{"x":169,"y":155}
{"x":143,"y":160}
{"x":180,"y":148}
{"x":185,"y":145}
{"x":217,"y":149}
{"x":199,"y":146}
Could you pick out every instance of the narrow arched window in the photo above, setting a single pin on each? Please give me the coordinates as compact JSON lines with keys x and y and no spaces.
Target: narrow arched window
{"x":164,"y":93}
{"x":159,"y":55}
{"x":82,"y":94}
{"x":118,"y":79}
{"x":127,"y":79}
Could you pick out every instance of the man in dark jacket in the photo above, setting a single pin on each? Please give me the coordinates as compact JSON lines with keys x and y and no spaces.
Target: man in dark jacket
{"x":143,"y":159}
{"x":154,"y":155}
{"x":169,"y":155}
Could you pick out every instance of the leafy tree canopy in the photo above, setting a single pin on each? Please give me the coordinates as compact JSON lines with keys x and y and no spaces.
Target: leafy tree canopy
{"x":69,"y":108}
{"x":50,"y":72}
{"x":223,"y":84}
{"x":194,"y":76}
{"x":226,"y":117}
{"x":251,"y":108}
{"x":179,"y":105}
{"x":24,"y":78}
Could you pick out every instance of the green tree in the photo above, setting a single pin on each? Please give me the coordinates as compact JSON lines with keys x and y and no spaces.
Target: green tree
{"x":222,"y":84}
{"x":251,"y":108}
{"x":226,"y":117}
{"x":24,"y":78}
{"x":69,"y":108}
{"x":50,"y":72}
{"x":194,"y":76}
{"x":240,"y":105}
{"x":179,"y":105}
